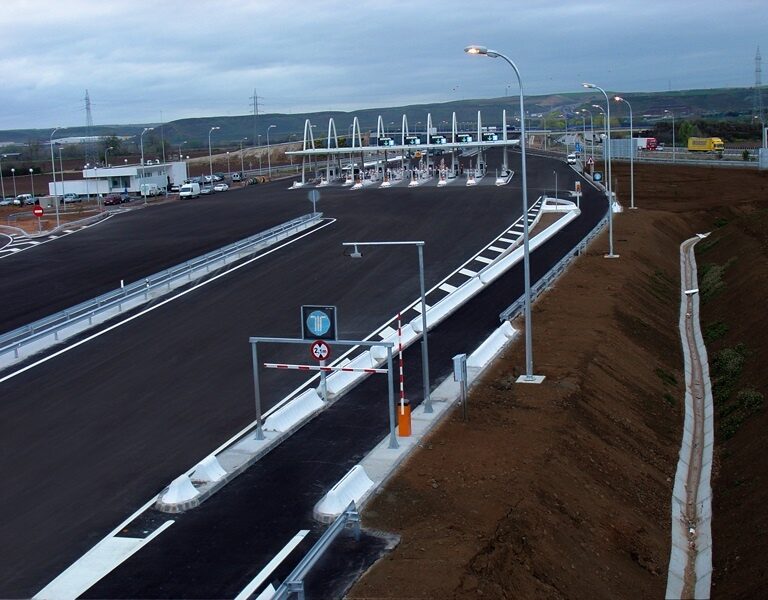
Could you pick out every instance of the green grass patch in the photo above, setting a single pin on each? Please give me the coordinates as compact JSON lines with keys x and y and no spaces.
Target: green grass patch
{"x":747,"y":402}
{"x":715,"y":331}
{"x":706,"y":245}
{"x":667,"y":377}
{"x":711,"y":280}
{"x":720,"y":222}
{"x":726,"y":370}
{"x":669,"y":399}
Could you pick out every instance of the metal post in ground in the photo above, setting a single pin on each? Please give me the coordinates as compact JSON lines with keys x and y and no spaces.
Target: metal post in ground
{"x":257,"y":391}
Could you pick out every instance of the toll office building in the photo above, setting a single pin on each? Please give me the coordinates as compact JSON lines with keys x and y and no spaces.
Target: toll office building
{"x":118,"y":179}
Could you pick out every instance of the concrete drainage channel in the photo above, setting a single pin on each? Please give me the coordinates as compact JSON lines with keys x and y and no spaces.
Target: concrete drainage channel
{"x":21,"y":343}
{"x":690,"y":561}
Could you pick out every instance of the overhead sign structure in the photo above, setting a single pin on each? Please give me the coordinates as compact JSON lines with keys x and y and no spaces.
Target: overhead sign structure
{"x":38,"y":211}
{"x":320,"y":350}
{"x":318,"y":322}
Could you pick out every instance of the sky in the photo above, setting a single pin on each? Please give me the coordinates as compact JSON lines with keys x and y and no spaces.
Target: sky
{"x":147,"y":61}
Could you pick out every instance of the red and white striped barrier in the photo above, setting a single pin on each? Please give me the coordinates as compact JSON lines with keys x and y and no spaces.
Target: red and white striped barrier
{"x":319,"y":368}
{"x":400,"y":359}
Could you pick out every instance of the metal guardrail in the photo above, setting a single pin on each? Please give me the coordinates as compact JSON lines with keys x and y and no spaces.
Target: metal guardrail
{"x":294,"y":583}
{"x":181,"y":274}
{"x":542,"y":284}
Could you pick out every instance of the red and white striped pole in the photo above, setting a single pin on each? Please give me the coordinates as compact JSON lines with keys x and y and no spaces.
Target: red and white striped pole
{"x":404,"y":418}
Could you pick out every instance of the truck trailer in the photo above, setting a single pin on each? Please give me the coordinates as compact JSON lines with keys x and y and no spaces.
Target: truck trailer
{"x":710,"y":144}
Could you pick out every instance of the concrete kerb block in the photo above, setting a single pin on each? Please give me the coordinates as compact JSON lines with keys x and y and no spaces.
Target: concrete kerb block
{"x":352,"y":487}
{"x":208,"y":470}
{"x":179,"y":496}
{"x":492,"y":345}
{"x":295,"y":411}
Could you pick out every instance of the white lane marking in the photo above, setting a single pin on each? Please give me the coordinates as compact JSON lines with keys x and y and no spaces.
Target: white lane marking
{"x":386,"y":332}
{"x":468,"y":272}
{"x":505,"y":240}
{"x":162,"y":303}
{"x":33,"y":243}
{"x":272,"y":565}
{"x":482,"y":259}
{"x":103,"y":558}
{"x":417,"y":307}
{"x":447,"y":287}
{"x":496,"y":249}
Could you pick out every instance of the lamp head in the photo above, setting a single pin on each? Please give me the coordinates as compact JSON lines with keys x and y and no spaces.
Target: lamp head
{"x":618,"y":99}
{"x":474,"y":49}
{"x":588,"y":85}
{"x":597,"y":106}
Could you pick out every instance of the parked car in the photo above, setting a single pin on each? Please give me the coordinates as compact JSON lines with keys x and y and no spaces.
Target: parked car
{"x":206,"y":190}
{"x":6,"y":201}
{"x":69,"y":198}
{"x":236,"y":177}
{"x":189,"y":190}
{"x":571,"y":159}
{"x":125,"y":197}
{"x":24,"y":199}
{"x":112,"y":200}
{"x":220,"y":187}
{"x":175,"y":187}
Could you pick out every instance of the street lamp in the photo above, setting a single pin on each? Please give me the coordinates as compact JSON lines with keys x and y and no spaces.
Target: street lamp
{"x":61,"y":170}
{"x":13,"y":173}
{"x":604,"y":136}
{"x":424,"y":345}
{"x":674,"y":152}
{"x":32,"y":180}
{"x":258,"y":137}
{"x":2,"y":184}
{"x":106,"y":151}
{"x":229,"y":172}
{"x":608,"y":148}
{"x":242,"y":165}
{"x":529,"y":377}
{"x":592,"y":131}
{"x":631,"y":153}
{"x":53,"y":170}
{"x":180,"y":145}
{"x":141,"y":139}
{"x":555,"y":174}
{"x":269,"y":159}
{"x":210,"y":159}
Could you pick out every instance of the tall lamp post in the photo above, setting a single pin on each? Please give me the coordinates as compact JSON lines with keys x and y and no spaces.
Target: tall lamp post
{"x":674,"y":151}
{"x":242,"y":164}
{"x":180,"y":145}
{"x":269,"y":158}
{"x":13,"y":173}
{"x":632,"y":148}
{"x":106,"y":151}
{"x":210,"y":158}
{"x":53,"y":170}
{"x":608,"y":148}
{"x":424,"y":346}
{"x":529,"y":377}
{"x":229,"y":171}
{"x":141,"y":140}
{"x":61,"y":170}
{"x":555,"y":174}
{"x":605,"y":136}
{"x":32,"y":181}
{"x":2,"y":183}
{"x":592,"y":132}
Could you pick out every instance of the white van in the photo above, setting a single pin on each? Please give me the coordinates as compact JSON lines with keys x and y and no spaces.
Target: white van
{"x":149,"y":189}
{"x":571,"y":159}
{"x":189,"y":190}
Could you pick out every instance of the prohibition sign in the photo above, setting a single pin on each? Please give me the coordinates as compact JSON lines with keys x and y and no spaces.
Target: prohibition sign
{"x":320,"y":350}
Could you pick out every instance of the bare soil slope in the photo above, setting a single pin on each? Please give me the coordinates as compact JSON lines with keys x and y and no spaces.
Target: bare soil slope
{"x":563,"y":490}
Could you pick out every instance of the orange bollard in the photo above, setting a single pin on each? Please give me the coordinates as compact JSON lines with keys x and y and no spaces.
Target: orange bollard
{"x":404,"y":419}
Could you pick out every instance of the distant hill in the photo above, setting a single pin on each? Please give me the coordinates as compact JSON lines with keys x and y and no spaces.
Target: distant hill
{"x":648,"y":107}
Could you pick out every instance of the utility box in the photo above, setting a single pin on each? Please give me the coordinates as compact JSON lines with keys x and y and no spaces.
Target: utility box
{"x":763,"y":157}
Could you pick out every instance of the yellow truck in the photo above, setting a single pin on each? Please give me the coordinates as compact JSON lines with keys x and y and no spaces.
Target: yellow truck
{"x":710,"y":144}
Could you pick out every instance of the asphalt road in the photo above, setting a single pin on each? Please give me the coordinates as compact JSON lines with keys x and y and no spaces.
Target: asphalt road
{"x":88,"y":436}
{"x":216,"y":549}
{"x":131,"y":245}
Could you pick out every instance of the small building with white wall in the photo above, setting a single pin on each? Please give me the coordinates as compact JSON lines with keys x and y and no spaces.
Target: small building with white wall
{"x":123,"y":178}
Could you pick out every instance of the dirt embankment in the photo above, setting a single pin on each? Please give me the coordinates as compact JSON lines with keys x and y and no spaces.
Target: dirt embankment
{"x":563,"y":490}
